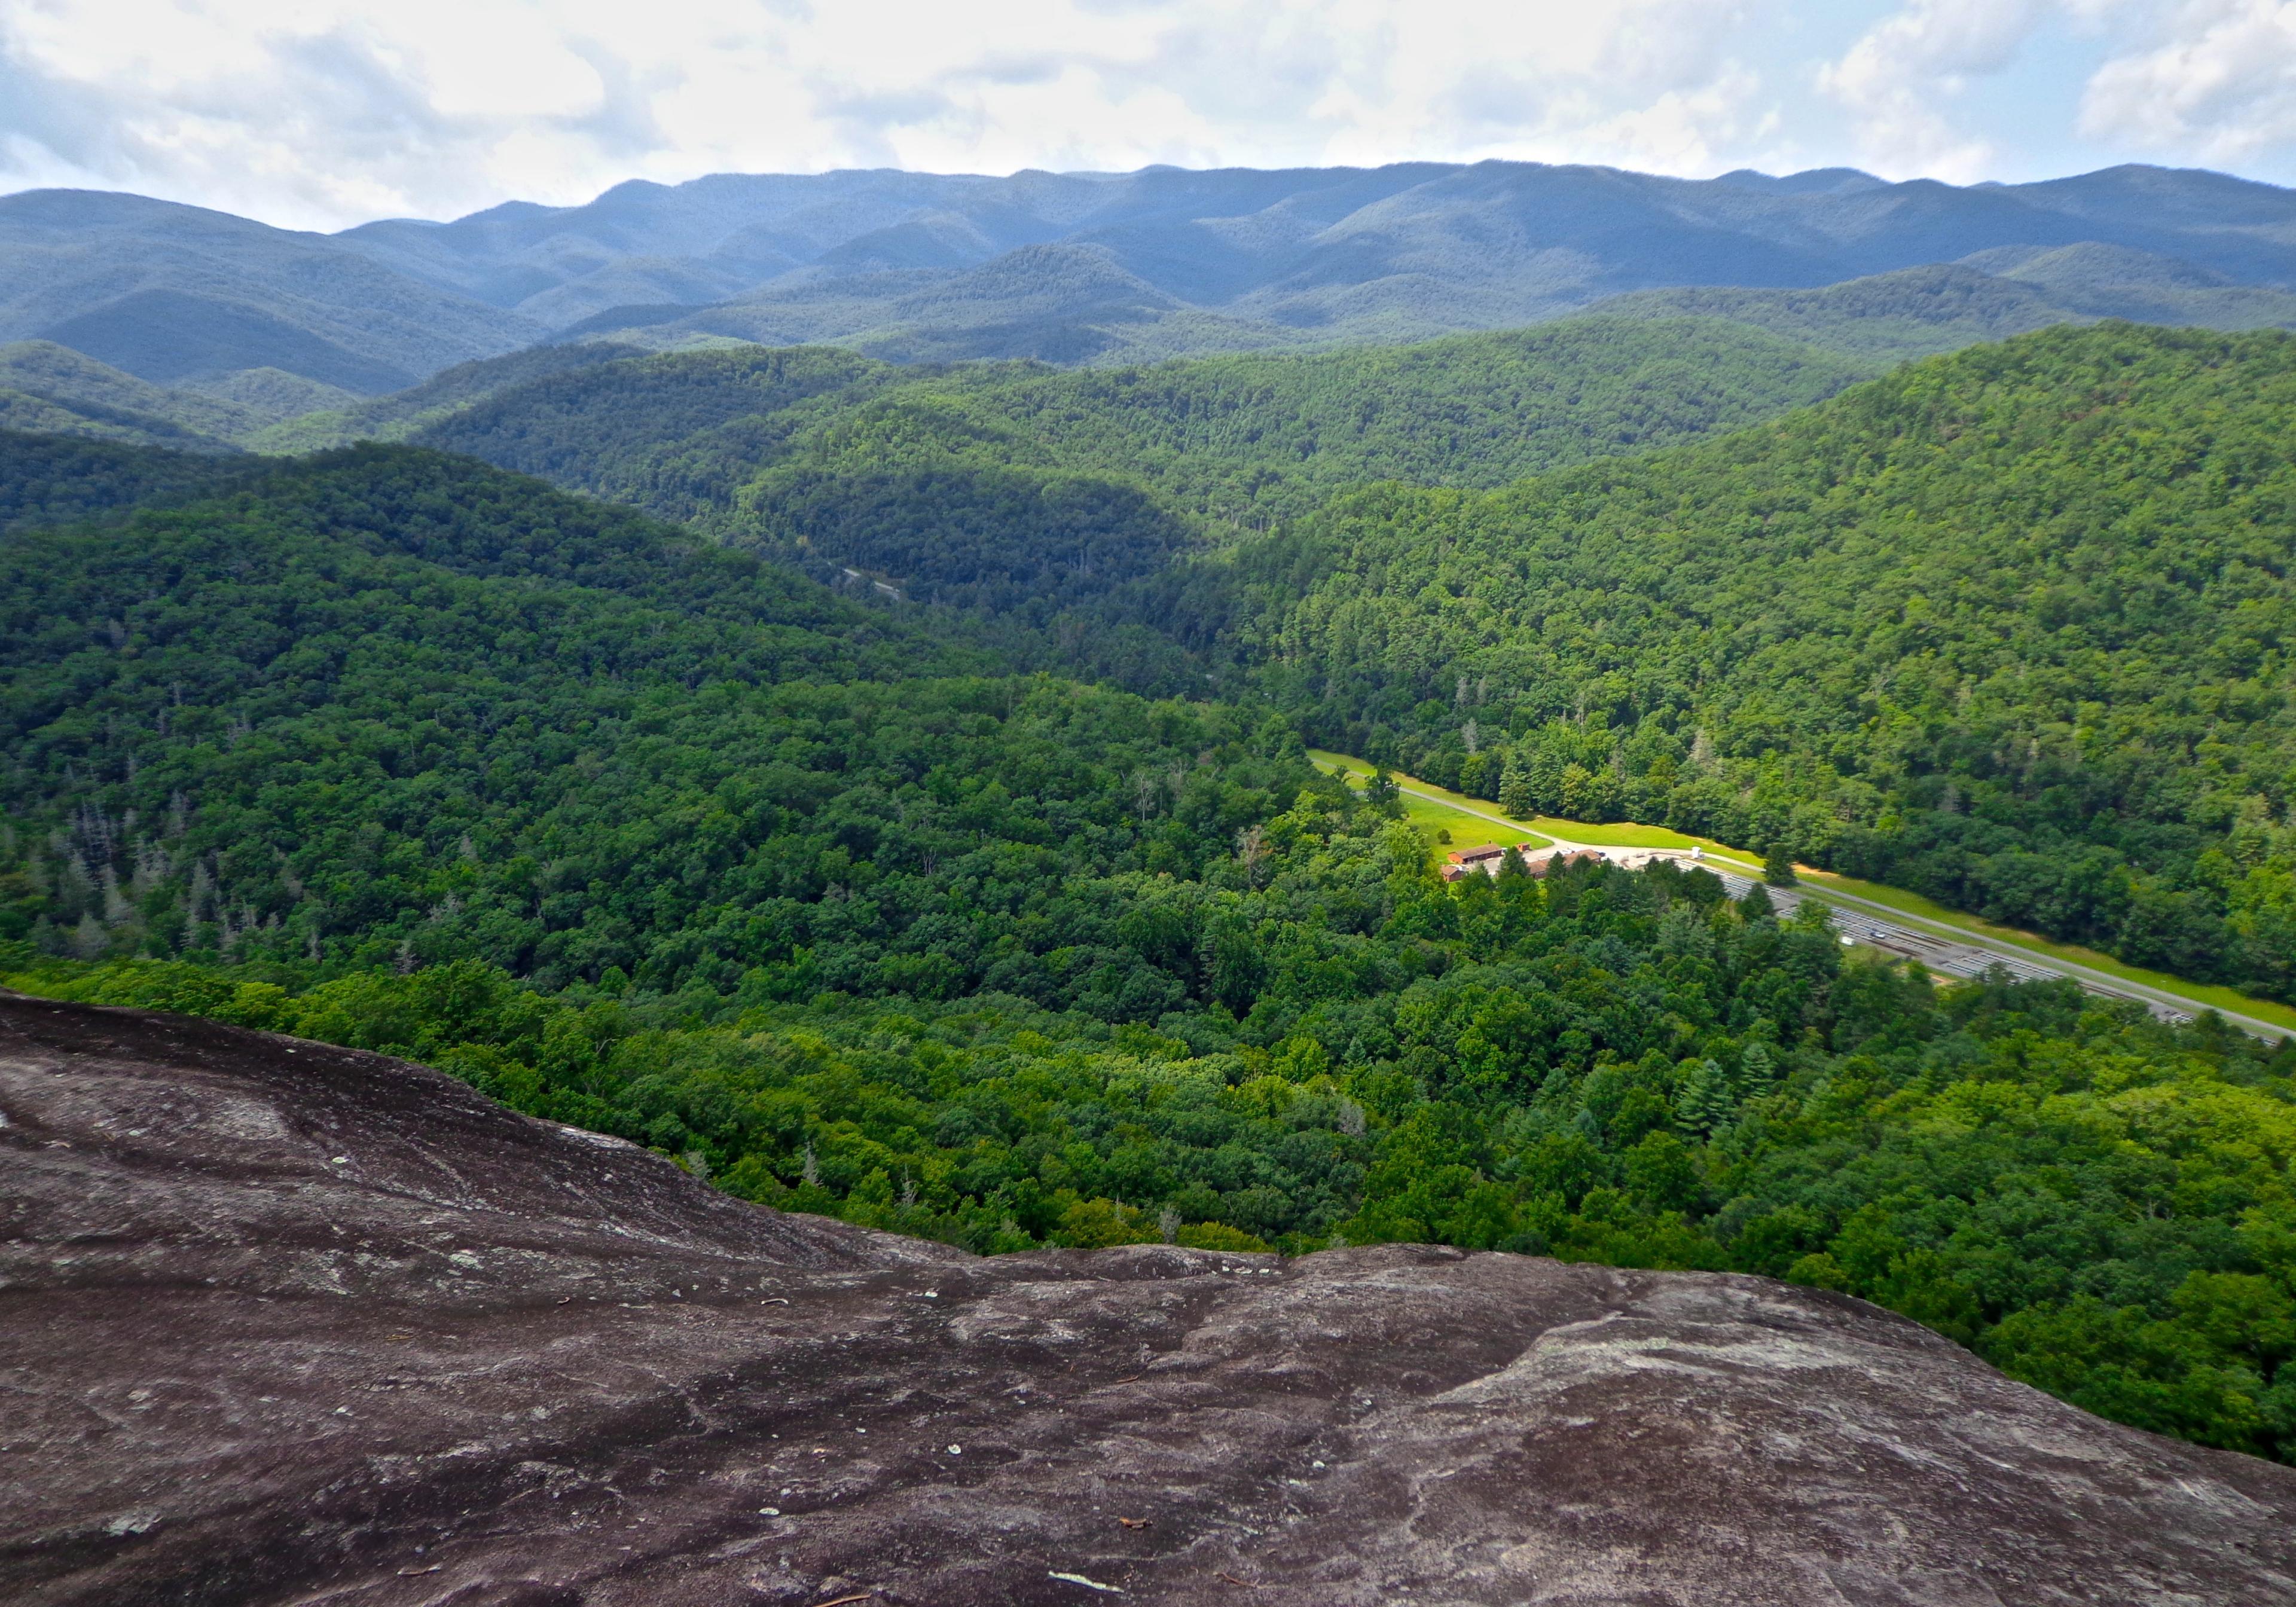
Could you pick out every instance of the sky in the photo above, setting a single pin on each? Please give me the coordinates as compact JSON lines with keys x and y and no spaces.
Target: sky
{"x":323,"y":113}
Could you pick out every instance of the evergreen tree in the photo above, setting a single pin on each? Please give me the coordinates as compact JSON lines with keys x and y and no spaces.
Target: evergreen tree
{"x":1758,"y":1067}
{"x":1546,"y":770}
{"x":1706,"y":1098}
{"x":1515,"y":795}
{"x":1778,"y":865}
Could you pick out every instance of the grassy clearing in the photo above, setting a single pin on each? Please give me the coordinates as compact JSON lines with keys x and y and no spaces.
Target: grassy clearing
{"x":1347,"y":764}
{"x":1467,"y":831}
{"x":1470,"y":830}
{"x":1432,"y":815}
{"x":1622,"y":834}
{"x":1536,"y":833}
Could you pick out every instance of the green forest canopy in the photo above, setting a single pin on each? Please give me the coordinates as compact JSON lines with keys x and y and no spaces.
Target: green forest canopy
{"x":2016,"y":604}
{"x":47,"y":479}
{"x":2010,"y":627}
{"x":635,"y":832}
{"x":774,"y":446}
{"x":1233,"y":438}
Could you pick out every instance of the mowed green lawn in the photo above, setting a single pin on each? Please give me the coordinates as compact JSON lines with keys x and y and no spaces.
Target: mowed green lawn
{"x":1447,"y":809}
{"x":1450,"y":812}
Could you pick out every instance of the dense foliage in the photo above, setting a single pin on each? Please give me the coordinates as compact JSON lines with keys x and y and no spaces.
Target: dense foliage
{"x":2003,"y":628}
{"x":390,"y":707}
{"x":1319,"y":1042}
{"x":47,"y":387}
{"x":58,"y":479}
{"x":401,"y":414}
{"x":1916,"y":312}
{"x":636,"y":831}
{"x":2011,"y":627}
{"x":821,"y":456}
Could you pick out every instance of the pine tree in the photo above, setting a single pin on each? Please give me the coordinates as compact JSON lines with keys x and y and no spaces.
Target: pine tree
{"x":1756,"y":1066}
{"x":1516,"y":794}
{"x":1706,"y":1099}
{"x":1545,"y":770}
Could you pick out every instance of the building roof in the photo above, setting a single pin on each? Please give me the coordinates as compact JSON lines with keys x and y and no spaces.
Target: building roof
{"x":1477,"y":856}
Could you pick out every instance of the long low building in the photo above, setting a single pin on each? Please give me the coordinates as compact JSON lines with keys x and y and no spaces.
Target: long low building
{"x":1537,"y":863}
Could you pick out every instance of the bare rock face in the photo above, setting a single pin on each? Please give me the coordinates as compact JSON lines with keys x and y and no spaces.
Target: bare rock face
{"x":286,"y":1324}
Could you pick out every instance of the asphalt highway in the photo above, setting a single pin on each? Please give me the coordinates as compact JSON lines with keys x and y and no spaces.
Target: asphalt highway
{"x":1935,"y":944}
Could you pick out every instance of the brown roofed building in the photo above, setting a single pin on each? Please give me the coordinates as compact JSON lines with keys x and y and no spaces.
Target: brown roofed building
{"x":1487,"y":860}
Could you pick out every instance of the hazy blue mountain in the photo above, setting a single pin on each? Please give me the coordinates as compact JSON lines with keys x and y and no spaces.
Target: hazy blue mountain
{"x":1086,"y":267}
{"x":174,"y":294}
{"x":1126,"y":267}
{"x":1212,"y":238}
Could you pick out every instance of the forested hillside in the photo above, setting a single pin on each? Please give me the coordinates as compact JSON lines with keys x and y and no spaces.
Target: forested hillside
{"x":400,"y":415}
{"x":2000,"y":628}
{"x":48,"y":388}
{"x":1231,"y":439}
{"x":2010,"y":627}
{"x":1916,"y":312}
{"x":1013,"y":488}
{"x":1943,"y":306}
{"x":58,"y":479}
{"x":638,"y":833}
{"x":386,"y":707}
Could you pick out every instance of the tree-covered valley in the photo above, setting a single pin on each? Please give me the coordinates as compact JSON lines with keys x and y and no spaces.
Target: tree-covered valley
{"x":2000,"y":628}
{"x":2008,"y":628}
{"x":1021,"y":493}
{"x":890,"y":910}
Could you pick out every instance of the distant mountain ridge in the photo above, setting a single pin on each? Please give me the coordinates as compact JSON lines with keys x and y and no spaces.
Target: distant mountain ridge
{"x":1272,"y":243}
{"x":1075,"y":268}
{"x":175,"y":294}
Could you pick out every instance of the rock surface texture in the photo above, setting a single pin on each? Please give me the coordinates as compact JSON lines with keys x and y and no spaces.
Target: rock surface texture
{"x":286,"y":1324}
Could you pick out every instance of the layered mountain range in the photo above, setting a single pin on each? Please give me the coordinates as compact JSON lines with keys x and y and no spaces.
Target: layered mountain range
{"x":1107,"y":267}
{"x":548,"y":828}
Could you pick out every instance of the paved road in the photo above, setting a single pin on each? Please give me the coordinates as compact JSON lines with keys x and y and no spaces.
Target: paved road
{"x":1934,"y":943}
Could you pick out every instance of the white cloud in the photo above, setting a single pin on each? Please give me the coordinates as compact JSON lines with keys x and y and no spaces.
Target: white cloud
{"x":1899,"y":81}
{"x":2216,"y":83}
{"x":321,"y":113}
{"x":2212,"y":81}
